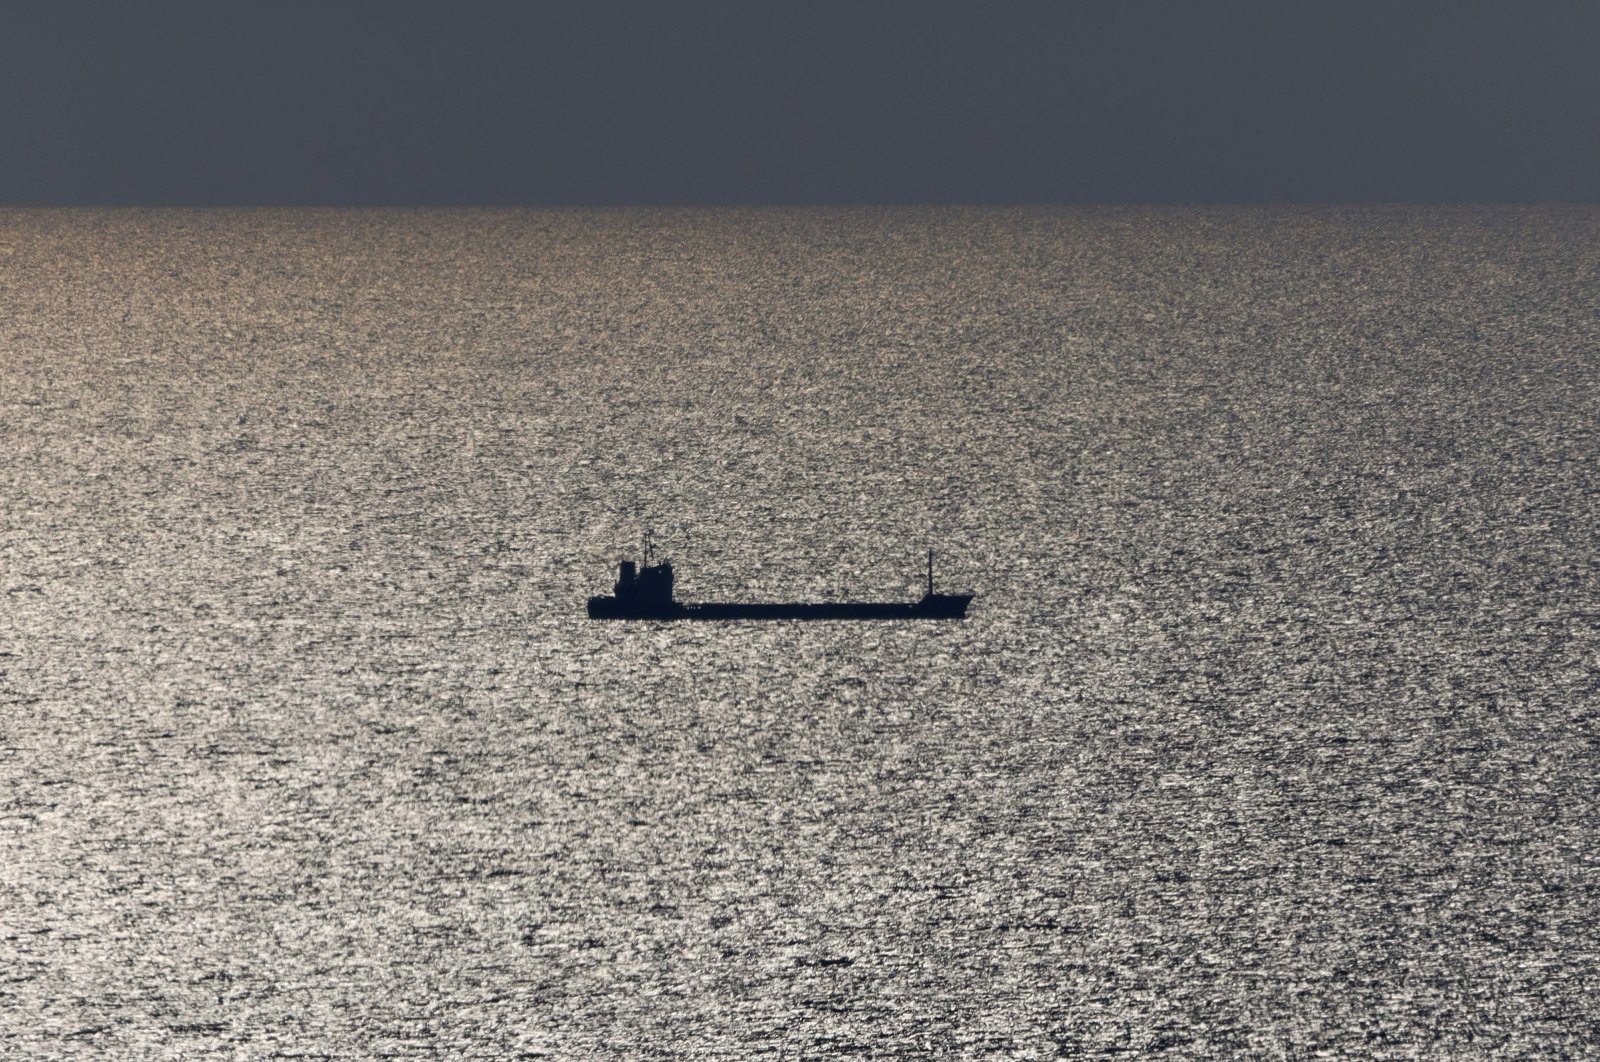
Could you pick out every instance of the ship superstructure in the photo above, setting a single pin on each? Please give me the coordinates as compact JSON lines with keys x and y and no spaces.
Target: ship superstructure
{"x":642,"y":591}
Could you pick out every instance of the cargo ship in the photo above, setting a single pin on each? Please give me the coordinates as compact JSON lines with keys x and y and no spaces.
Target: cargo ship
{"x":645,"y":592}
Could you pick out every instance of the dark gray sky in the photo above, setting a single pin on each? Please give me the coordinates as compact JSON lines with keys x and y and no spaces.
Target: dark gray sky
{"x":347,"y":102}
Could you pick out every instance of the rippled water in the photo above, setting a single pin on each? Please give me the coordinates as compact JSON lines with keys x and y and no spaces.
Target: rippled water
{"x":1272,"y":731}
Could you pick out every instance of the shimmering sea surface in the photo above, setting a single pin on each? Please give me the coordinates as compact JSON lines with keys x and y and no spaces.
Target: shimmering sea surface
{"x":1272,"y":732}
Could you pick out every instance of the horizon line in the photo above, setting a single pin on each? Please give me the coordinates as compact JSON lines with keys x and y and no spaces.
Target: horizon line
{"x":781,"y":204}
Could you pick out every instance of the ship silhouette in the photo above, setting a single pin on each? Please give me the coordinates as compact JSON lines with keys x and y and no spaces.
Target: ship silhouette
{"x":645,"y":592}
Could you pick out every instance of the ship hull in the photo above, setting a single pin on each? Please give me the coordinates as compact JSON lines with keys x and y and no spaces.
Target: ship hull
{"x":934,"y":606}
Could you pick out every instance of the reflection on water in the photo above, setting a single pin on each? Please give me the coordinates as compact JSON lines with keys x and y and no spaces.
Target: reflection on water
{"x":1270,"y":731}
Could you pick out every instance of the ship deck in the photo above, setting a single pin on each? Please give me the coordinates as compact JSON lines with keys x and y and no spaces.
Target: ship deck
{"x":938,"y":606}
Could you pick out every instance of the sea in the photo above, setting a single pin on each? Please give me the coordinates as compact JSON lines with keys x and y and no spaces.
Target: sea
{"x":1271,"y":732}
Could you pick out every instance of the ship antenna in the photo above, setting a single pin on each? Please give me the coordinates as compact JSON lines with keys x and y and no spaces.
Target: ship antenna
{"x":930,"y":573}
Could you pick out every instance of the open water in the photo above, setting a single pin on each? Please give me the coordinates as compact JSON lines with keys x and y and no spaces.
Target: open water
{"x":1272,"y":731}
